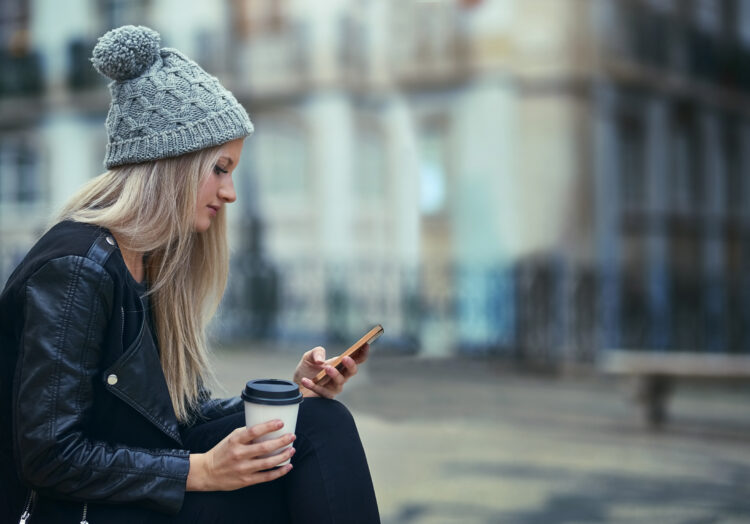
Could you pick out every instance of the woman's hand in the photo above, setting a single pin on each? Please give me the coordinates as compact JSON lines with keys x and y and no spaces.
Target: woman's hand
{"x":233,"y":463}
{"x":315,"y":360}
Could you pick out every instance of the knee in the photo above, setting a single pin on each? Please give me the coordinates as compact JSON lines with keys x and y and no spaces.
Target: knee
{"x":325,"y":414}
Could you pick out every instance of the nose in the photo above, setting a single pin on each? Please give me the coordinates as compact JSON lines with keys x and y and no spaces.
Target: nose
{"x":226,"y":190}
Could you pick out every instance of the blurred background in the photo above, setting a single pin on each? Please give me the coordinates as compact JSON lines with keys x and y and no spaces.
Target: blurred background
{"x":513,"y":188}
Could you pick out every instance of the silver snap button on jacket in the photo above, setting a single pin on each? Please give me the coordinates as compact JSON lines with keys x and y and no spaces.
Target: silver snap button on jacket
{"x":112,"y":380}
{"x":110,"y":240}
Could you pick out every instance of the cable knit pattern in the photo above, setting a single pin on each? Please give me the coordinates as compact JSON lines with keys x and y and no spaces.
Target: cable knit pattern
{"x":163,"y":103}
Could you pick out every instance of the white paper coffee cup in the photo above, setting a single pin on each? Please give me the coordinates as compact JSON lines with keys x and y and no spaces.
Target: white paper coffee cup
{"x":268,"y":399}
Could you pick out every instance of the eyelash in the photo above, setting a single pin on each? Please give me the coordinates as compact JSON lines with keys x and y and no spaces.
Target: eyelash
{"x":220,"y":171}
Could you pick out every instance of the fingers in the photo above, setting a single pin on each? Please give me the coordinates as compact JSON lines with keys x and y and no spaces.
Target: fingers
{"x":266,"y":470}
{"x":275,"y":460}
{"x":237,"y":461}
{"x":336,"y":376}
{"x":319,"y":355}
{"x":349,"y":367}
{"x":361,"y":355}
{"x":322,"y":388}
{"x":246,"y":435}
{"x":334,"y":381}
{"x":312,"y":361}
{"x":323,"y":381}
{"x":269,"y":446}
{"x":316,"y":355}
{"x":246,"y":456}
{"x":271,"y":474}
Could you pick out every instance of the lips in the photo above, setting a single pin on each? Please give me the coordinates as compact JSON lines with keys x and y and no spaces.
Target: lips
{"x":214,"y":210}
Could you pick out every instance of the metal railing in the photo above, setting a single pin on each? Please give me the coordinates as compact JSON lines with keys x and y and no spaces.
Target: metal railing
{"x":540,"y":311}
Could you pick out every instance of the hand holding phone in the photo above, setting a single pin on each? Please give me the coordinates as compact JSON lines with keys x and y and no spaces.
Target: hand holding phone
{"x":322,"y":378}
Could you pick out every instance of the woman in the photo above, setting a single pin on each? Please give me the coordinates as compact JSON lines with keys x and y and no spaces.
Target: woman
{"x":105,"y":412}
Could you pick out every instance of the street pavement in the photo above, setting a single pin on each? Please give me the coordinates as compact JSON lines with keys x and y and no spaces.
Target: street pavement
{"x":462,"y":440}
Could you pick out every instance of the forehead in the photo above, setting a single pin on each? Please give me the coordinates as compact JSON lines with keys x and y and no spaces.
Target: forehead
{"x":232,"y":149}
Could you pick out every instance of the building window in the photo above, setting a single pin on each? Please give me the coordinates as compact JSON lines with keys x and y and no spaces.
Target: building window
{"x":254,"y":17}
{"x":742,"y":22}
{"x":632,"y":164}
{"x":370,"y":173}
{"x":704,"y":42}
{"x":14,"y":23}
{"x":20,"y":64}
{"x":122,"y":12}
{"x":708,"y":15}
{"x":431,"y":42}
{"x":733,"y":188}
{"x":643,"y":31}
{"x":280,"y":152}
{"x":356,"y":32}
{"x":20,"y":172}
{"x":685,"y":166}
{"x":433,"y":170}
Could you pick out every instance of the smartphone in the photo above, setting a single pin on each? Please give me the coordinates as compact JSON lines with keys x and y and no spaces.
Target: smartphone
{"x":370,"y":337}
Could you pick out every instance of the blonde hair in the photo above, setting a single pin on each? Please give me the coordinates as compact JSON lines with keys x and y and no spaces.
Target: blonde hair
{"x":150,"y":207}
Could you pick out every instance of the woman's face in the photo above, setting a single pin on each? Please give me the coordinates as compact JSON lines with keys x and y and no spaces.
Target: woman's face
{"x":217,"y":187}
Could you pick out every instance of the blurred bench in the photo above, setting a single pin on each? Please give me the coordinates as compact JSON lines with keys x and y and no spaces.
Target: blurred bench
{"x":656,"y":372}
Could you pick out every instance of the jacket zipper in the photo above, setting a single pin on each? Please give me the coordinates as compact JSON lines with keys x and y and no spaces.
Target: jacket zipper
{"x":85,"y":510}
{"x":28,"y":507}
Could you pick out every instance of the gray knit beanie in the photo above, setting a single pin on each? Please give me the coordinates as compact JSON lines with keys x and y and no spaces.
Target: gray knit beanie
{"x":163,"y":103}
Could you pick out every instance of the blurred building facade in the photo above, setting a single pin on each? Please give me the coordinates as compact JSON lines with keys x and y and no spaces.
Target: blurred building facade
{"x":542,"y":179}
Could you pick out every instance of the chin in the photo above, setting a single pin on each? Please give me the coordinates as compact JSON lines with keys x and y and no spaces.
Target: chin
{"x":202,"y":227}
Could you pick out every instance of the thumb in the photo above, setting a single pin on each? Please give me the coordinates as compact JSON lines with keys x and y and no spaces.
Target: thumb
{"x":319,"y":355}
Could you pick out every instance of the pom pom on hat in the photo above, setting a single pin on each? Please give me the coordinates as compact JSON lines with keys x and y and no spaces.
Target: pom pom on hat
{"x":126,"y":52}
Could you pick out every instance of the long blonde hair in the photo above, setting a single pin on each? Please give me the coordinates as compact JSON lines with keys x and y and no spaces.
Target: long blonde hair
{"x":150,"y":207}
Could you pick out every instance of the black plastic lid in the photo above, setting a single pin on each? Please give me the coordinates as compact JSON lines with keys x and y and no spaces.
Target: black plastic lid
{"x":272,"y":391}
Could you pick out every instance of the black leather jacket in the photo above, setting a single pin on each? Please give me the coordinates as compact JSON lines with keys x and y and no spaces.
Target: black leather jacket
{"x":85,"y":414}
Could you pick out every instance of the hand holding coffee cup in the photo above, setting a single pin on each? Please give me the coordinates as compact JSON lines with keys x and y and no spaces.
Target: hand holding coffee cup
{"x":267,"y":399}
{"x":237,"y":461}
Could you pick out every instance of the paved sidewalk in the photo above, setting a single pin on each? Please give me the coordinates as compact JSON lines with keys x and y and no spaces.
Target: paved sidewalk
{"x":469,"y":441}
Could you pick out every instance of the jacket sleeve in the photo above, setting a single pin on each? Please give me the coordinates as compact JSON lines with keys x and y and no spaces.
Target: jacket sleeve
{"x":221,"y":407}
{"x":67,"y":307}
{"x":214,"y":408}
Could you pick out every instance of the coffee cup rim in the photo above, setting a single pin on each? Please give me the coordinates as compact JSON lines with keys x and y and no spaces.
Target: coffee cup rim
{"x":274,"y":392}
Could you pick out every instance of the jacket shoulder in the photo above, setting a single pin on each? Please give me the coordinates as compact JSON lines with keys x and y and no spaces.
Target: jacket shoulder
{"x":64,"y":239}
{"x":67,"y":238}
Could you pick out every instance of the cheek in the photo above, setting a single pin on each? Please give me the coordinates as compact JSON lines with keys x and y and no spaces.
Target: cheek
{"x":205,"y":192}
